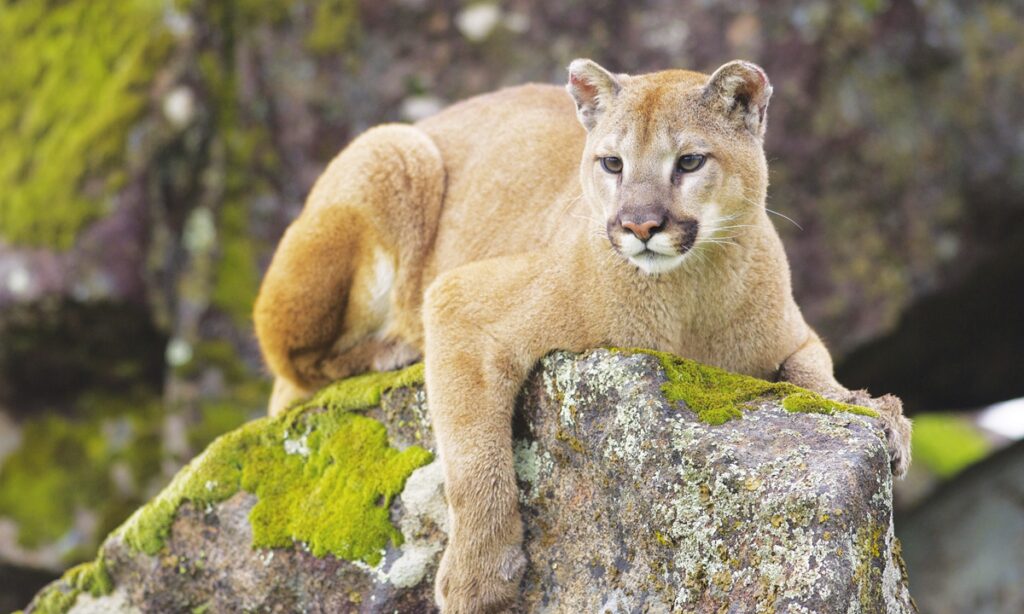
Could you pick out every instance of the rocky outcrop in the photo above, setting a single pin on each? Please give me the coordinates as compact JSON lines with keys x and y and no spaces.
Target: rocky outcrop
{"x":965,"y":543}
{"x":632,"y":501}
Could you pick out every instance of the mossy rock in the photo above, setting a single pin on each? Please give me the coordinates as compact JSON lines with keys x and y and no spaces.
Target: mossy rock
{"x":75,"y":80}
{"x":324,"y":479}
{"x":629,"y":498}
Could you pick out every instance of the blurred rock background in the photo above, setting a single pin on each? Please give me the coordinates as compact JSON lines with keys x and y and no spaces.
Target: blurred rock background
{"x":153,"y":151}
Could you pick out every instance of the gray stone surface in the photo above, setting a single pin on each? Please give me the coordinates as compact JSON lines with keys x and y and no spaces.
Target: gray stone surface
{"x":965,"y":543}
{"x":630,"y":505}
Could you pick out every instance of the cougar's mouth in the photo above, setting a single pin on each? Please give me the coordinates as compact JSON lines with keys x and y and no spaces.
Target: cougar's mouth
{"x":652,"y":262}
{"x":657,"y":252}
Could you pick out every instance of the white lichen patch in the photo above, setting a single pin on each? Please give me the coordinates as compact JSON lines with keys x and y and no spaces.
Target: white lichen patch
{"x":425,"y":507}
{"x":105,"y":604}
{"x":560,"y":381}
{"x":632,"y":430}
{"x":410,"y":569}
{"x":531,"y":467}
{"x":423,"y":498}
{"x":178,"y":353}
{"x":297,"y":445}
{"x":892,"y":575}
{"x":526,"y":461}
{"x":419,"y":408}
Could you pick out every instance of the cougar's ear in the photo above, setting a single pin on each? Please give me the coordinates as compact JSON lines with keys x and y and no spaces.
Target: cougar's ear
{"x":741,"y":91}
{"x":593,"y":88}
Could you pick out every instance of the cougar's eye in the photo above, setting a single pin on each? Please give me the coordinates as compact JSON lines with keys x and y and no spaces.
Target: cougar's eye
{"x":611,"y":164}
{"x":690,"y":163}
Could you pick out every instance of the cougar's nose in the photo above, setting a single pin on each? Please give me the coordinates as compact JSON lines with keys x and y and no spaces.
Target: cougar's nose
{"x":643,"y":224}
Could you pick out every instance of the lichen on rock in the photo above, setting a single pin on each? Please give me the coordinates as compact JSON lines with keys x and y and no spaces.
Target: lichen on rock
{"x":669,"y":510}
{"x":630,"y":501}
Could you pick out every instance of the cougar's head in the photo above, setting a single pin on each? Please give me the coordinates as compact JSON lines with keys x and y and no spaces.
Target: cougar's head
{"x":674,"y":159}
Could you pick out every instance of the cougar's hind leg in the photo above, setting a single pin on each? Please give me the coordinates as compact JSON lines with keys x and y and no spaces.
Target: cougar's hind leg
{"x":300,"y":309}
{"x":384,"y":328}
{"x":406,"y":223}
{"x":343,"y":291}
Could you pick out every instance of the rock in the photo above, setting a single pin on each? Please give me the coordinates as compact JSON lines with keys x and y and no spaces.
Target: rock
{"x":965,"y":543}
{"x":631,"y":503}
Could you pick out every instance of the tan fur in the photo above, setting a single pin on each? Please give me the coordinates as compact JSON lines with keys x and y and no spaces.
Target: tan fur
{"x":522,"y":249}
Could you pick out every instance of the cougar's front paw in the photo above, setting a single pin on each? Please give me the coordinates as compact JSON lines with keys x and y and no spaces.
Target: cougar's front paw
{"x":475,"y":580}
{"x":896,"y":426}
{"x":897,"y":433}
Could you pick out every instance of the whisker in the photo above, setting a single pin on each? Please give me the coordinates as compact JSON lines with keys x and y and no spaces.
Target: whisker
{"x":785,"y":217}
{"x":754,"y":203}
{"x":736,"y":226}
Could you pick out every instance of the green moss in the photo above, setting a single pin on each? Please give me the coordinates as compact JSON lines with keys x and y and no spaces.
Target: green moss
{"x":244,"y":396}
{"x":91,"y":577}
{"x":717,"y":396}
{"x":334,"y":26}
{"x":219,"y":354}
{"x":337,"y":499}
{"x":65,"y":464}
{"x":364,"y":390}
{"x":58,"y":597}
{"x":68,"y":464}
{"x":811,"y":403}
{"x":946,"y":444}
{"x":322,"y":478}
{"x":55,"y":599}
{"x":237,"y":276}
{"x":74,"y":82}
{"x":42,"y":483}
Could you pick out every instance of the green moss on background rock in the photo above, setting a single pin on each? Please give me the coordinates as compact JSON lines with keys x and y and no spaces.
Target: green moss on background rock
{"x":244,"y":147}
{"x":947,"y":444}
{"x":243,"y":395}
{"x":74,"y":83}
{"x":217,"y":418}
{"x":214,"y":353}
{"x":65,"y":465}
{"x":68,"y":464}
{"x":322,"y":478}
{"x":335,"y":23}
{"x":250,"y":157}
{"x":717,"y":396}
{"x":237,"y":276}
